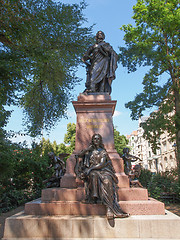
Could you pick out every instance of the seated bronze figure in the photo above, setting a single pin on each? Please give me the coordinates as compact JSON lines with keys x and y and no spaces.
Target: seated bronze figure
{"x":98,"y":174}
{"x":59,"y":168}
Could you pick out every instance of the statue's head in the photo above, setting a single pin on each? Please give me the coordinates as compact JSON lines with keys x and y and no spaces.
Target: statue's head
{"x":97,"y":140}
{"x":125,"y":150}
{"x":100,"y":35}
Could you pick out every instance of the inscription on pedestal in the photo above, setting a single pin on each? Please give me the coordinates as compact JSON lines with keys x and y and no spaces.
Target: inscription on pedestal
{"x":94,"y":123}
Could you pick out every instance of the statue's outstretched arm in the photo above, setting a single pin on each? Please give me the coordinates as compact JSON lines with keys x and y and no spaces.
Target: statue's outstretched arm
{"x":99,"y":166}
{"x":83,"y":152}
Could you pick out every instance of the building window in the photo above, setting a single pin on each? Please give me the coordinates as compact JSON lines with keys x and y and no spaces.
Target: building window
{"x":171,"y":161}
{"x":166,"y":163}
{"x":164,"y":146}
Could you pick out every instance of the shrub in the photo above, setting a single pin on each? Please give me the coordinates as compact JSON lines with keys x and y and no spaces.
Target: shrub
{"x":161,"y":186}
{"x":145,"y":177}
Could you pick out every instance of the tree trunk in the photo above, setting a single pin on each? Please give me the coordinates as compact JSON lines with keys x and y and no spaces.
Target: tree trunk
{"x":177,"y":125}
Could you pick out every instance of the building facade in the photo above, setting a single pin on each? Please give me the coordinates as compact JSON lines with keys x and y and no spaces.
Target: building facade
{"x":163,"y":160}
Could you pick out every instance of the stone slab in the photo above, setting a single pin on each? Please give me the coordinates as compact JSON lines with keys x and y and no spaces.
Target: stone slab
{"x":149,"y":207}
{"x":21,"y":226}
{"x":94,"y":97}
{"x":132,"y":194}
{"x":70,"y":181}
{"x":66,"y":194}
{"x":89,"y":238}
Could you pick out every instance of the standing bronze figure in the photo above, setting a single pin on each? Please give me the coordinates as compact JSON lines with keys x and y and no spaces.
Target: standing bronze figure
{"x":101,"y":62}
{"x":96,"y":170}
{"x":133,"y":173}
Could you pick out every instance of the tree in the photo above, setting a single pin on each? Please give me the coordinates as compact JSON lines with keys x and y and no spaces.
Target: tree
{"x":154,"y":42}
{"x":62,"y":148}
{"x":22,"y":172}
{"x":120,"y":141}
{"x":42,"y":42}
{"x":6,"y":159}
{"x":70,"y":137}
{"x":46,"y":146}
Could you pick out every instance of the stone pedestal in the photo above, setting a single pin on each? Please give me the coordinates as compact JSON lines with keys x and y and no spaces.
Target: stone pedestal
{"x":61,"y":214}
{"x":64,"y":201}
{"x":94,"y":115}
{"x":142,"y":227}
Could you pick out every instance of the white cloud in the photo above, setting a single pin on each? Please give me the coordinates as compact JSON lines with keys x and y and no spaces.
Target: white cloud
{"x":117,"y":113}
{"x":70,"y":114}
{"x":23,"y":138}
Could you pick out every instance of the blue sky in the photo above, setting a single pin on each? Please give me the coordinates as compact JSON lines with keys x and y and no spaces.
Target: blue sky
{"x":109,"y":16}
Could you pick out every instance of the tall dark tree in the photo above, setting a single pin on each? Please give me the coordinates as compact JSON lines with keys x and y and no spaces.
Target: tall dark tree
{"x":154,"y":41}
{"x":42,"y":42}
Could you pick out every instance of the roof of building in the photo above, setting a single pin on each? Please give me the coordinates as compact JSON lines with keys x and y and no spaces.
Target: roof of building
{"x":135,"y":133}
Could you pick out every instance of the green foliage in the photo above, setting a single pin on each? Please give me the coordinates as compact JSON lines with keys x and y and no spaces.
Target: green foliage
{"x":67,"y":147}
{"x":62,"y":148}
{"x":12,"y":198}
{"x":70,"y":137}
{"x":145,"y":177}
{"x":22,"y":170}
{"x":22,"y":175}
{"x":154,"y":42}
{"x":120,"y":141}
{"x":46,"y":146}
{"x":6,"y":158}
{"x":42,"y":42}
{"x":161,"y":184}
{"x":159,"y":122}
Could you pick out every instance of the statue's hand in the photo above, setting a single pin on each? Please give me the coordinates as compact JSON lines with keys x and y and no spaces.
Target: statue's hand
{"x":87,"y":172}
{"x":96,"y":47}
{"x":90,"y":148}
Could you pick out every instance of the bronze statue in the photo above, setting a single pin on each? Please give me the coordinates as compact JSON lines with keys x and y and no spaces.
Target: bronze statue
{"x":59,"y":169}
{"x":98,"y":174}
{"x":133,"y":173}
{"x":101,"y":64}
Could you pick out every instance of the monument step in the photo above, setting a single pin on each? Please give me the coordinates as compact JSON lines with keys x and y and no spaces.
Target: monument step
{"x":21,"y":227}
{"x":70,"y":181}
{"x":66,"y":194}
{"x":88,"y":238}
{"x":37,"y":207}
